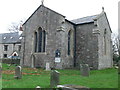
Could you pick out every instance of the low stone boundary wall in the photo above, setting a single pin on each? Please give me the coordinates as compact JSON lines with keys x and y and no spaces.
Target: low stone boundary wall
{"x":10,"y":61}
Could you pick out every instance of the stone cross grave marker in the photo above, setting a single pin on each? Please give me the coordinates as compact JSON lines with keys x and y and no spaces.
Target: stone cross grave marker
{"x":18,"y":72}
{"x":48,"y":66}
{"x":54,"y":81}
{"x":84,"y":70}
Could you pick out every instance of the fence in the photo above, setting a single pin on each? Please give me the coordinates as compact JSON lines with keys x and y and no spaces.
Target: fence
{"x":10,"y":61}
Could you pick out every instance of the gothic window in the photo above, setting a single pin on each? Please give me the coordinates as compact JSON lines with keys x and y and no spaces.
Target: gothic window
{"x":5,"y":47}
{"x":39,"y":40}
{"x":105,"y":32}
{"x":44,"y":40}
{"x":69,"y":41}
{"x":35,"y":42}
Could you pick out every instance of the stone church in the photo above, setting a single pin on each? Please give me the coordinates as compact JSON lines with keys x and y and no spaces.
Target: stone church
{"x":48,"y":37}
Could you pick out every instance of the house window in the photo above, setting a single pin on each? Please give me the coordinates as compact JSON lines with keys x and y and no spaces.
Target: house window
{"x":40,"y":40}
{"x":5,"y":55}
{"x":5,"y":47}
{"x":69,"y":41}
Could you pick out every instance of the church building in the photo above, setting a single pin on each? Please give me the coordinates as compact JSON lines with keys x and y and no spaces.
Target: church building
{"x":48,"y":37}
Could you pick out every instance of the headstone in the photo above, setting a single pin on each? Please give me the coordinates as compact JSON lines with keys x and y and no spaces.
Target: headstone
{"x":0,"y":70}
{"x":119,"y":67}
{"x":48,"y":66}
{"x":72,"y":87}
{"x":54,"y":78}
{"x":18,"y":72}
{"x":84,"y":70}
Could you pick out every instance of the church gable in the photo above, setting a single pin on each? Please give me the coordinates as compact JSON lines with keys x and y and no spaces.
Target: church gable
{"x":42,"y":7}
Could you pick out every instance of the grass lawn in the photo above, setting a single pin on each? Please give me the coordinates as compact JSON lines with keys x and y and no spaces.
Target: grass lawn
{"x":107,"y":78}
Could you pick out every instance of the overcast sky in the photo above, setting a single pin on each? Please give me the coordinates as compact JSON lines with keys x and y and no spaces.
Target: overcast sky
{"x":16,"y":10}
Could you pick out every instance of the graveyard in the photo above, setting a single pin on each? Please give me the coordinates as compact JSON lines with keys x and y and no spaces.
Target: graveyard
{"x":32,"y":77}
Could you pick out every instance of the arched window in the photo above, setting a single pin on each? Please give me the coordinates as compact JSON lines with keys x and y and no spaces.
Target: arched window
{"x":44,"y":40}
{"x":35,"y":42}
{"x":105,"y":32}
{"x":69,"y":42}
{"x":39,"y":40}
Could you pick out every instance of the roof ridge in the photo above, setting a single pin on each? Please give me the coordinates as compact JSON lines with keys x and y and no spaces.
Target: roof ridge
{"x":87,"y":19}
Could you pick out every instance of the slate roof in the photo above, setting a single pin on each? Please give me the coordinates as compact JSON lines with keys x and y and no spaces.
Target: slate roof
{"x":84,"y":20}
{"x":9,"y":38}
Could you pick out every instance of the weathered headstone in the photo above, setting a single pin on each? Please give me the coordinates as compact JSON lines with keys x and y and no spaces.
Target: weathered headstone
{"x":48,"y":66}
{"x":18,"y":72}
{"x":84,"y":70}
{"x":72,"y":87}
{"x":119,"y":67}
{"x":0,"y":70}
{"x":54,"y":78}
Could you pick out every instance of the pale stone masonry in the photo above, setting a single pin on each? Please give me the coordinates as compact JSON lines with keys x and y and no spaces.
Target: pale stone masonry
{"x":50,"y":38}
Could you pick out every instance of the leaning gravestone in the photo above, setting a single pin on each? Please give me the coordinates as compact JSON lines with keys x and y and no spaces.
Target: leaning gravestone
{"x":84,"y":70}
{"x":54,"y":78}
{"x":48,"y":66}
{"x":72,"y":87}
{"x":18,"y":72}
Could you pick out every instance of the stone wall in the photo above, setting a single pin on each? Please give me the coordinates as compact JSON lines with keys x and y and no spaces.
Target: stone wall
{"x":86,"y":45}
{"x":56,"y":38}
{"x":104,"y":43}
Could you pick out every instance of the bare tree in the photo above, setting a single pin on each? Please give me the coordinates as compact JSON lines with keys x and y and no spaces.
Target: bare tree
{"x":115,"y":47}
{"x":15,"y":27}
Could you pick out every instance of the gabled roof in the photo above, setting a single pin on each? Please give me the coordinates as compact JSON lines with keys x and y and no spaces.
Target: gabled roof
{"x":9,"y":38}
{"x":39,"y":8}
{"x":84,"y":20}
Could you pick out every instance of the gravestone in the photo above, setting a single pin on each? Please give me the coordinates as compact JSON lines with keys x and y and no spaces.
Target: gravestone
{"x":18,"y":72}
{"x":72,"y":87}
{"x":48,"y":66}
{"x":0,"y":70}
{"x":84,"y":70}
{"x":119,"y":67}
{"x":54,"y":81}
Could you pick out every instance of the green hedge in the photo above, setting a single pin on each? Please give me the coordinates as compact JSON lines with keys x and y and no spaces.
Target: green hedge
{"x":10,"y":61}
